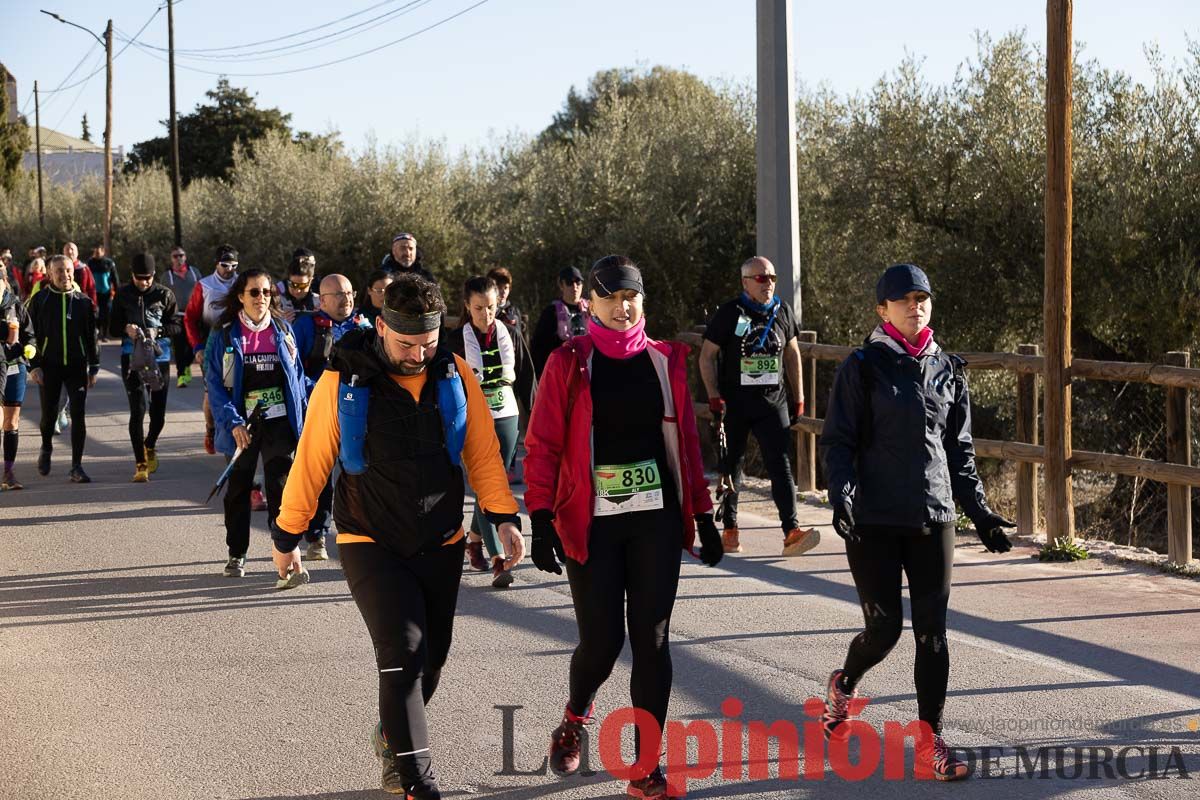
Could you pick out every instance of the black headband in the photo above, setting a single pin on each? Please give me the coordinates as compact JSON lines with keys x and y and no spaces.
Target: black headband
{"x":411,"y":324}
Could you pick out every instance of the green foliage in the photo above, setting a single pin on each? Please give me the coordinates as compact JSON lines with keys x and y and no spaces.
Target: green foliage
{"x":1063,"y":550}
{"x":86,"y":135}
{"x":14,"y":140}
{"x":209,"y":135}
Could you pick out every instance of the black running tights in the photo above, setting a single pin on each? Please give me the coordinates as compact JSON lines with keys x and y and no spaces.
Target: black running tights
{"x":74,"y":379}
{"x":408,"y":605}
{"x":136,"y":394}
{"x":631,"y":575}
{"x":876,"y":563}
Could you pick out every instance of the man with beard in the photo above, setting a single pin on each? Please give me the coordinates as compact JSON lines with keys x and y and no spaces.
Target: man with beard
{"x":405,"y":257}
{"x":404,"y":418}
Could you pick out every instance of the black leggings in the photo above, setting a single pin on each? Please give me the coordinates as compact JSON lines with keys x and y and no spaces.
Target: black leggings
{"x":408,"y":605}
{"x":636,"y":560}
{"x":274,"y":443}
{"x":74,"y":379}
{"x":771,"y":432}
{"x":182,"y":350}
{"x":876,"y":563}
{"x":136,"y":393}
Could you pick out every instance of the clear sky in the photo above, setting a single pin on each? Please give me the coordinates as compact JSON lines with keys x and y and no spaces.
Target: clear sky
{"x":507,"y":65}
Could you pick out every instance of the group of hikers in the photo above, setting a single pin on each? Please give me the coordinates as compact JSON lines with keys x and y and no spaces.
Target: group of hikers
{"x":370,"y":418}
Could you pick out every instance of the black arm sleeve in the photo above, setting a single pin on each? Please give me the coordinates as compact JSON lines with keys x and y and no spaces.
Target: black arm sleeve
{"x":960,"y":454}
{"x":116,"y":318}
{"x":90,"y":345}
{"x":840,"y":440}
{"x":171,"y":326}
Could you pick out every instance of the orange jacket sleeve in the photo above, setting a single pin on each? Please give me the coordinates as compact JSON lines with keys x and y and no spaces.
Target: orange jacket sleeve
{"x":315,"y":454}
{"x":481,"y":450}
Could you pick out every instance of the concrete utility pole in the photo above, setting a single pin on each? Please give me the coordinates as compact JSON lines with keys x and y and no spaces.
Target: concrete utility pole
{"x":173,"y":127}
{"x":1060,"y":511}
{"x":37,"y":135}
{"x":777,"y":214}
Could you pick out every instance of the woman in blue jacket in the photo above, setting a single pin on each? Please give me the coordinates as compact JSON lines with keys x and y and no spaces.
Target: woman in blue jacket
{"x":252,"y":361}
{"x":898,"y":454}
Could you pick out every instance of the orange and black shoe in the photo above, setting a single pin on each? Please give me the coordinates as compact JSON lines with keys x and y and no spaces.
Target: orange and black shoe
{"x":837,"y":704}
{"x":933,"y":754}
{"x":566,"y":741}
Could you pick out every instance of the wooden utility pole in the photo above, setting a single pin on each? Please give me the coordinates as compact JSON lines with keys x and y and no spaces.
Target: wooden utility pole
{"x":1060,"y":512}
{"x":108,"y":116}
{"x":37,"y":135}
{"x":173,"y":128}
{"x":1027,"y":431}
{"x":1179,"y":451}
{"x":777,"y":209}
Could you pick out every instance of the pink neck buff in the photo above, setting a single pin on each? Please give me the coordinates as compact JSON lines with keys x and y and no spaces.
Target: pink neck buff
{"x":618,"y":344}
{"x":923,"y":339}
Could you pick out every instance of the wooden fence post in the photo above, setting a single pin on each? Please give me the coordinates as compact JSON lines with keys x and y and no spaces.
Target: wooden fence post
{"x":1027,"y":431}
{"x":806,"y":443}
{"x":1179,"y":451}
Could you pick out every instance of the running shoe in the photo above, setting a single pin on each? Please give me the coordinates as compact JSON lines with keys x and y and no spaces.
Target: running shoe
{"x":392,"y":782}
{"x":316,"y":550}
{"x":652,"y":787}
{"x":43,"y":465}
{"x":729,"y":540}
{"x":141,"y":474}
{"x":77,"y":475}
{"x":210,"y":445}
{"x":235,"y":567}
{"x":501,"y":578}
{"x":837,"y":704}
{"x":292,"y":580}
{"x":475,"y":557}
{"x":184,"y":379}
{"x":10,"y":483}
{"x":933,"y":754}
{"x":151,"y":460}
{"x":799,"y":541}
{"x":567,"y":740}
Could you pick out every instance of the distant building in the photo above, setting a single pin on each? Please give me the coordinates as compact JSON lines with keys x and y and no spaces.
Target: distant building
{"x":67,"y":160}
{"x":10,"y":88}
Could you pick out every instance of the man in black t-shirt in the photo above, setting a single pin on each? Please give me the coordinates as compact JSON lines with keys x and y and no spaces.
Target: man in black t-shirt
{"x":749,"y":350}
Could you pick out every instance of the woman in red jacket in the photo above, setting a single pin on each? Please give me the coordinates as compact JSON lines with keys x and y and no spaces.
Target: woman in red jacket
{"x":616,"y":487}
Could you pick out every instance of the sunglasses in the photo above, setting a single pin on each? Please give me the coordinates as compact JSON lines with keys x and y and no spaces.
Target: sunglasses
{"x":764,"y":278}
{"x":141,"y":278}
{"x":296,"y":285}
{"x":233,"y":265}
{"x":178,"y":255}
{"x":256,"y":292}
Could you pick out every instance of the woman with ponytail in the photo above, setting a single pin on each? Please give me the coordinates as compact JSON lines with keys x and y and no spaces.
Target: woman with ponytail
{"x":501,"y":362}
{"x":615,"y":489}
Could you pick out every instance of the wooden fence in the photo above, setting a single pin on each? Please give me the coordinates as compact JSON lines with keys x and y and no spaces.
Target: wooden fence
{"x":1176,"y":471}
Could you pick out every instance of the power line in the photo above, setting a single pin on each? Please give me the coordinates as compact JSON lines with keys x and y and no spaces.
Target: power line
{"x":412,"y":35}
{"x":79,"y":94}
{"x":87,"y":54}
{"x":277,"y":38}
{"x":117,"y":55}
{"x":299,"y":48}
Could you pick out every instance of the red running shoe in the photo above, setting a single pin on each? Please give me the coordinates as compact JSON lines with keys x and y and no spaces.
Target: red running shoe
{"x":566,"y":742}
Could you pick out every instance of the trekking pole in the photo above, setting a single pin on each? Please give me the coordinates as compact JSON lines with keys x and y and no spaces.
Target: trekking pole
{"x":223,"y":478}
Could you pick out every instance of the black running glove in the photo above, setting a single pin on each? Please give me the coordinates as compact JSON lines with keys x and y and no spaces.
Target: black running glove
{"x":990,"y":527}
{"x":843,"y":517}
{"x":711,"y":548}
{"x":546,"y":544}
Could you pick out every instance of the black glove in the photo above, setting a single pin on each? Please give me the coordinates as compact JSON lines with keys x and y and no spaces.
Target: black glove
{"x":711,"y":548}
{"x":843,"y":517}
{"x":546,"y":543}
{"x":990,"y":527}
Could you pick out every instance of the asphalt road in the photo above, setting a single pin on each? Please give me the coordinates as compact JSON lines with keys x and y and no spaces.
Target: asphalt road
{"x":130,"y":668}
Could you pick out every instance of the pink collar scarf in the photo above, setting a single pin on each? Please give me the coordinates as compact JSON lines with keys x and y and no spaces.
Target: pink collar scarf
{"x":618,"y":344}
{"x":923,"y":339}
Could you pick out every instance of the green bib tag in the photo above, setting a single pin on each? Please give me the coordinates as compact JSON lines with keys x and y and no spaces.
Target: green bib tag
{"x":760,"y":371}
{"x":624,"y":488}
{"x":272,"y":400}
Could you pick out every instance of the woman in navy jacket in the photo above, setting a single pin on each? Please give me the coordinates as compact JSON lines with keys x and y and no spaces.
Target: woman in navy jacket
{"x":898,"y":454}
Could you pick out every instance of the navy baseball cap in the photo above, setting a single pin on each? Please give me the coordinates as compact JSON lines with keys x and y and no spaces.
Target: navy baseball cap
{"x":570,"y":274}
{"x":900,"y":279}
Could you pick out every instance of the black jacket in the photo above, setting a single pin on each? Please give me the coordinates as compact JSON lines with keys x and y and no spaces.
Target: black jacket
{"x":153,"y":308}
{"x":897,"y":437}
{"x":64,"y":328}
{"x":390,"y":264}
{"x":12,"y":308}
{"x":526,"y":383}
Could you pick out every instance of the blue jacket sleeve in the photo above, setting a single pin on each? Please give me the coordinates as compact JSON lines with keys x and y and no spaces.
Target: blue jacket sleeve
{"x":224,"y":410}
{"x":839,"y":440}
{"x":302,"y":329}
